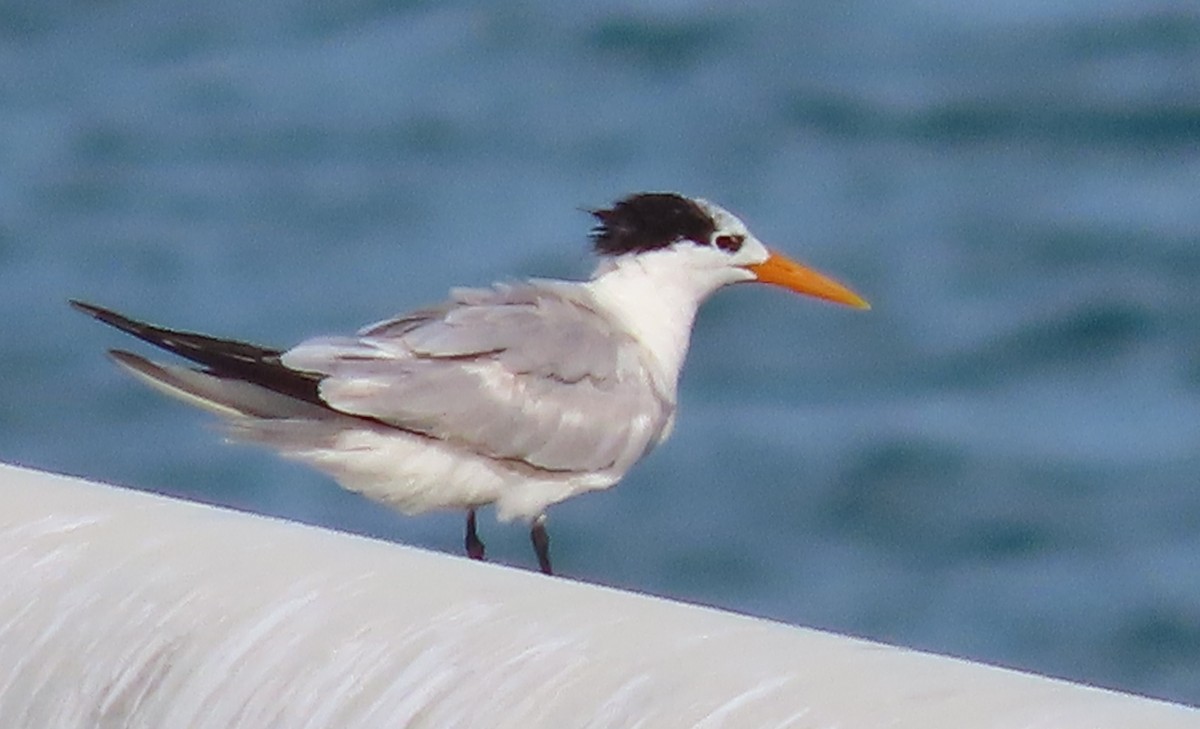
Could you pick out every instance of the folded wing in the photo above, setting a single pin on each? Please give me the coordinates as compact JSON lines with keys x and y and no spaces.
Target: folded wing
{"x":525,"y":372}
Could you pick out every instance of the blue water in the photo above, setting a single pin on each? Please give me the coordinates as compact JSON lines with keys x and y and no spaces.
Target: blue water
{"x":1000,"y":461}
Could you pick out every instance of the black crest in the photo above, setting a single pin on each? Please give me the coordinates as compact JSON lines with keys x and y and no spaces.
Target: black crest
{"x":650,"y":220}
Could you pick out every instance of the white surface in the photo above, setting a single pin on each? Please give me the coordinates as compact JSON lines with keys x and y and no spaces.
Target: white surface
{"x":121,"y":609}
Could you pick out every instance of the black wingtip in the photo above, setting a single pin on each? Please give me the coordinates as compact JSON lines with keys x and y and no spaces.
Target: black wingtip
{"x":139,"y":329}
{"x":220,"y":357}
{"x":83,"y":306}
{"x":107,"y":316}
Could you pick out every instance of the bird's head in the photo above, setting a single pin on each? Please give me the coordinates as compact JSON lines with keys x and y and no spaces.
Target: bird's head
{"x":712,"y":244}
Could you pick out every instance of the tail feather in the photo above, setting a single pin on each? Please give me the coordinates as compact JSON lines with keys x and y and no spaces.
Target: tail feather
{"x":226,"y":359}
{"x":220,"y":395}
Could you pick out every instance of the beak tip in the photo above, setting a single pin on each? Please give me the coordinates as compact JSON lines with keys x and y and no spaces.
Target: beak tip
{"x":782,"y":271}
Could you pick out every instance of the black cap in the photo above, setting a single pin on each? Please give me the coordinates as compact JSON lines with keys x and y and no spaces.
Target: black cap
{"x":650,"y":220}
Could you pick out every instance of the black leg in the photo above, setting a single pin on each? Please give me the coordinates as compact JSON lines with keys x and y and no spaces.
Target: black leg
{"x":541,"y":543}
{"x":474,"y":545}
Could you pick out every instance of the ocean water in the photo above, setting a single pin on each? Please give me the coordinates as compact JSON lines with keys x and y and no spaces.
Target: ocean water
{"x":1000,"y":461}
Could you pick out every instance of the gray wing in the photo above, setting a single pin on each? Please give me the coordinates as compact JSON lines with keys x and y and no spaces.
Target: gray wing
{"x":523,"y":372}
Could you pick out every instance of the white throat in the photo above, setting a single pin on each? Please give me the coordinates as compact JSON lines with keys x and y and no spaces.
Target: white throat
{"x":654,"y":299}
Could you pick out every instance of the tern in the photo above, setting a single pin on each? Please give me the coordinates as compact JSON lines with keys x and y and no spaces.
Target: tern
{"x":519,"y":396}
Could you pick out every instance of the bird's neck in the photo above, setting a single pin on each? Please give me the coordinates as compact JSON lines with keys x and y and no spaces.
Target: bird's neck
{"x":655,"y":301}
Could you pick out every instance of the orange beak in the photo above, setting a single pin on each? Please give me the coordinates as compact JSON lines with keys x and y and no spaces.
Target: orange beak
{"x":783,"y":271}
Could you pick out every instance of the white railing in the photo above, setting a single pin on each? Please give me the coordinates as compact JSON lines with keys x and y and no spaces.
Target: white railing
{"x":122,"y":609}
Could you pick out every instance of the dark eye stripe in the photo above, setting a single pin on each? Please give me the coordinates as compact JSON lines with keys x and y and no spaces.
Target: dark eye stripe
{"x":730,"y":243}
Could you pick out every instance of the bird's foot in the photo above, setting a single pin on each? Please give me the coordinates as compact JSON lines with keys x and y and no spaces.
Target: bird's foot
{"x":474,"y":544}
{"x":541,"y":543}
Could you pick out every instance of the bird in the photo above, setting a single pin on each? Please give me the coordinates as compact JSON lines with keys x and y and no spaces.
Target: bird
{"x":519,"y":395}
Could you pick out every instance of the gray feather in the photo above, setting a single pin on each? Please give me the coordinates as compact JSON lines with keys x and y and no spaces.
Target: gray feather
{"x":521,"y":372}
{"x":220,"y":395}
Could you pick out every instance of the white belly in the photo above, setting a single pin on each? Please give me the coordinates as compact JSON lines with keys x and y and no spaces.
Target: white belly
{"x":415,"y":474}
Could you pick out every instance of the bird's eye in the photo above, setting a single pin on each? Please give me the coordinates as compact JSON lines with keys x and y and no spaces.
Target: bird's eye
{"x":729,"y":243}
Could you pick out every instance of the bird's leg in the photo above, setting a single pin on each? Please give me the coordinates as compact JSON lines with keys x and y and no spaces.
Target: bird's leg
{"x":474,"y":544}
{"x":541,"y":543}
